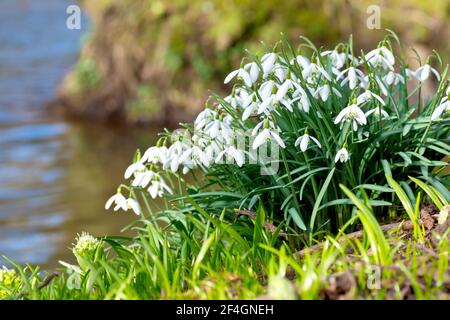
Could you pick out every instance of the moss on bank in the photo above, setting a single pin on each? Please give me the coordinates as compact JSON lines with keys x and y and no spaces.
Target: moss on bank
{"x":157,"y":61}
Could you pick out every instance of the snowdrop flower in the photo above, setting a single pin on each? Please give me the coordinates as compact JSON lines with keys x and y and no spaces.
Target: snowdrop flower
{"x":240,"y":73}
{"x":363,"y":97}
{"x":123,"y":203}
{"x":268,"y":62}
{"x":423,"y":73}
{"x":216,"y":128}
{"x":231,"y":153}
{"x":287,"y":85}
{"x":380,"y":113}
{"x":280,"y":72}
{"x":324,"y":92}
{"x":269,"y":104}
{"x":313,"y":71}
{"x":353,"y":77}
{"x":266,"y":134}
{"x":301,"y":96}
{"x":253,"y":71}
{"x":250,"y":109}
{"x":341,"y":155}
{"x":381,"y":57}
{"x":352,"y":113}
{"x":443,"y":108}
{"x":337,"y":58}
{"x":142,"y":178}
{"x":118,"y":200}
{"x":301,"y":60}
{"x":135,"y":167}
{"x":233,"y":100}
{"x":133,"y":205}
{"x":158,"y":187}
{"x":303,"y":142}
{"x":204,"y":118}
{"x":266,"y":89}
{"x":154,"y":155}
{"x":393,"y":78}
{"x":196,"y":154}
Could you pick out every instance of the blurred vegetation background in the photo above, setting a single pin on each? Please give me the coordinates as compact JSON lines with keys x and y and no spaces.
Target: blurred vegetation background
{"x":155,"y":61}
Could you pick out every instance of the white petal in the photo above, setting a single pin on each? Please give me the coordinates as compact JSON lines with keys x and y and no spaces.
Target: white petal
{"x":110,"y":202}
{"x":341,"y":115}
{"x":283,"y":89}
{"x":438,"y":111}
{"x":278,"y":139}
{"x":246,"y":77}
{"x":304,"y":142}
{"x":316,"y":141}
{"x":261,"y":138}
{"x":231,"y":76}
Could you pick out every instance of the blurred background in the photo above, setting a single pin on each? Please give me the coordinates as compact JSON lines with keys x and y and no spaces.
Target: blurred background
{"x":76,"y":104}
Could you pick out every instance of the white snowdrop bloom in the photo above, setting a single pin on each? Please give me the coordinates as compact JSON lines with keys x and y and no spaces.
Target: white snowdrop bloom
{"x":250,"y":109}
{"x":133,"y":205}
{"x":269,"y":131}
{"x":196,"y":155}
{"x":253,"y":70}
{"x":442,"y":109}
{"x":265,"y":135}
{"x":154,"y":155}
{"x":213,"y":128}
{"x":352,"y":113}
{"x":324,"y":92}
{"x":353,"y":77}
{"x":231,"y":153}
{"x":268,"y":62}
{"x":266,"y":89}
{"x":393,"y":78}
{"x":337,"y":58}
{"x":233,"y":100}
{"x":301,"y":96}
{"x":287,"y":85}
{"x":173,"y":156}
{"x":204,"y":118}
{"x":268,"y":105}
{"x":158,"y":187}
{"x":381,"y":57}
{"x":301,"y":60}
{"x":378,"y":112}
{"x":118,"y":200}
{"x":240,"y":73}
{"x":303,"y":142}
{"x":341,"y":155}
{"x":142,"y":178}
{"x":423,"y":73}
{"x":138,"y":166}
{"x":366,"y":95}
{"x":314,"y":71}
{"x":280,"y":72}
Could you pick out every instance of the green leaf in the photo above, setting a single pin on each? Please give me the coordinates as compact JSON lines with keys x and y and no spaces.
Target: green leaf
{"x":319,"y":200}
{"x":297,"y":219}
{"x":401,"y":194}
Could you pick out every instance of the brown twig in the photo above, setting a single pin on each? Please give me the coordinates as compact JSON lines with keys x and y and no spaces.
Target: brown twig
{"x":47,"y":280}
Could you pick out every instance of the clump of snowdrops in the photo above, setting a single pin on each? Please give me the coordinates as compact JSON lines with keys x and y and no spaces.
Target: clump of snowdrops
{"x":329,"y":117}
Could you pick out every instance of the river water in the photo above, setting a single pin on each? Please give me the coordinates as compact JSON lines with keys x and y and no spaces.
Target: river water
{"x":55,"y":176}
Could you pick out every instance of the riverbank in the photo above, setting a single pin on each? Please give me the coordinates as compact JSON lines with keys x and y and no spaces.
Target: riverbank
{"x":154,"y":62}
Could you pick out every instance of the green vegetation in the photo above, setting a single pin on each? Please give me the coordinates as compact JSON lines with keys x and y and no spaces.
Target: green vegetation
{"x":199,"y":256}
{"x":353,"y":143}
